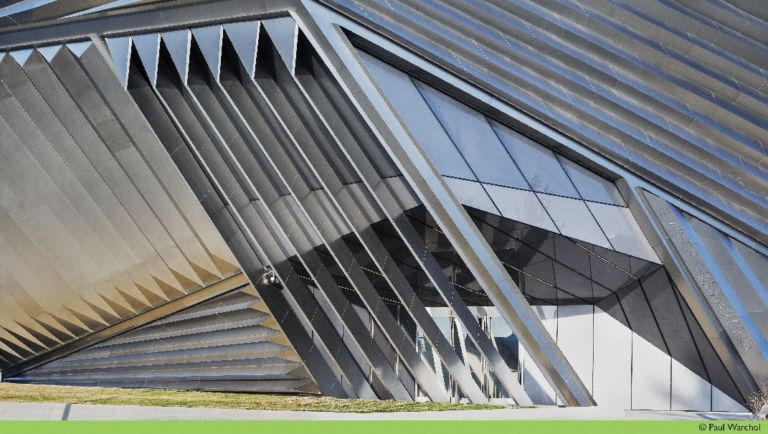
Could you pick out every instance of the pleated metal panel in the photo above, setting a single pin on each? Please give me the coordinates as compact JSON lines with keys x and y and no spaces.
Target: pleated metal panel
{"x":265,"y":144}
{"x":98,"y":225}
{"x":271,"y":189}
{"x":17,"y":13}
{"x":229,"y":343}
{"x":315,"y":194}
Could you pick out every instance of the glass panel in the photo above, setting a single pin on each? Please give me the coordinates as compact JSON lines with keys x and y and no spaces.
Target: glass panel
{"x":521,"y":206}
{"x":444,"y":324}
{"x":538,"y":278}
{"x":467,"y":351}
{"x":208,"y":39}
{"x":538,"y":164}
{"x":506,"y":342}
{"x":147,"y":47}
{"x":622,"y":231}
{"x":592,"y":186}
{"x":471,"y":193}
{"x":398,"y":88}
{"x":573,"y":219}
{"x":475,"y":138}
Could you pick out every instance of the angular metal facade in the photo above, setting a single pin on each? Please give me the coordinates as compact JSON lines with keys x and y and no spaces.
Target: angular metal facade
{"x":226,"y":343}
{"x":386,"y":200}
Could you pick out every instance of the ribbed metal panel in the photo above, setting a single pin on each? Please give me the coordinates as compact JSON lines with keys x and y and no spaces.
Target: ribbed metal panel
{"x":228,"y":343}
{"x":235,"y":126}
{"x":20,"y":12}
{"x":98,"y":225}
{"x":724,"y":282}
{"x":140,"y":163}
{"x":676,"y":92}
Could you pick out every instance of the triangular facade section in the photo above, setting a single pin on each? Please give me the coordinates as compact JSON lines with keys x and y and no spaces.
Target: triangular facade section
{"x":495,"y":168}
{"x":229,"y":343}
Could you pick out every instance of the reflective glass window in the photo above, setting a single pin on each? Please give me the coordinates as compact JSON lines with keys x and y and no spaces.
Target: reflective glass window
{"x":538,"y":164}
{"x":622,"y":230}
{"x":398,"y":88}
{"x":471,"y":193}
{"x":520,"y":205}
{"x":475,"y":138}
{"x":506,"y":342}
{"x":592,"y":186}
{"x":573,"y":219}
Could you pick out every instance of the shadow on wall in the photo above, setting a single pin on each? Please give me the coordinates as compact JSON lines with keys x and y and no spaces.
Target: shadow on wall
{"x":640,"y":327}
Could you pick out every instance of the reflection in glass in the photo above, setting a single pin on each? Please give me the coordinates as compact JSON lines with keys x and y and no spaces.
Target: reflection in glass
{"x":417,"y":117}
{"x":454,"y":331}
{"x":538,"y":164}
{"x":622,"y":230}
{"x":574,"y":219}
{"x":520,"y":205}
{"x":471,"y":193}
{"x":592,"y":186}
{"x":474,"y":137}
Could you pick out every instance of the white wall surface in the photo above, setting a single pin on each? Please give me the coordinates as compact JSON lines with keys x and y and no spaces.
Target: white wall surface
{"x":533,"y":380}
{"x":689,"y":391}
{"x":574,"y":329}
{"x":620,"y":368}
{"x":651,"y":376}
{"x":612,"y":382}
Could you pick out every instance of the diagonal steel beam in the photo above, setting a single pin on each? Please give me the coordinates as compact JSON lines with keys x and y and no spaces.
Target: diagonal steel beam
{"x":658,"y":221}
{"x":338,"y":53}
{"x":293,"y":228}
{"x":326,"y":104}
{"x":305,"y":144}
{"x":229,"y":221}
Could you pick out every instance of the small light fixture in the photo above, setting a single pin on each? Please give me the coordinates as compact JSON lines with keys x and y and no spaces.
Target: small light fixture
{"x":270,"y":278}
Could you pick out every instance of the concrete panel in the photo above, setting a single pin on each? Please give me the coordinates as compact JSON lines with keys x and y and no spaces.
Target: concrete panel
{"x":651,"y":376}
{"x":534,"y":383}
{"x":612,"y":383}
{"x":689,"y":391}
{"x":723,"y":402}
{"x":575,"y":339}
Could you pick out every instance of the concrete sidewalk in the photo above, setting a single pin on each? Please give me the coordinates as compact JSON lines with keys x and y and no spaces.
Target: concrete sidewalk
{"x":49,"y":411}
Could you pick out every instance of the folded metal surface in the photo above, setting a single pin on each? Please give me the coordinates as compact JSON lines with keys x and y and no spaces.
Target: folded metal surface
{"x":159,"y":159}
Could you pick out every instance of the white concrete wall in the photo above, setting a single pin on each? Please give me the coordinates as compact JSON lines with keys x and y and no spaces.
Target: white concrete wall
{"x":533,"y":380}
{"x":621,"y":369}
{"x":574,"y":323}
{"x":651,"y":376}
{"x":612,"y":383}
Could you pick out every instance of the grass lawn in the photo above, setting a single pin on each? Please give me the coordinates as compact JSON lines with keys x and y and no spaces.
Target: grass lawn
{"x":171,"y":398}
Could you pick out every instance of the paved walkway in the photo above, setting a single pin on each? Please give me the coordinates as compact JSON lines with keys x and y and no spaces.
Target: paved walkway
{"x":46,"y":411}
